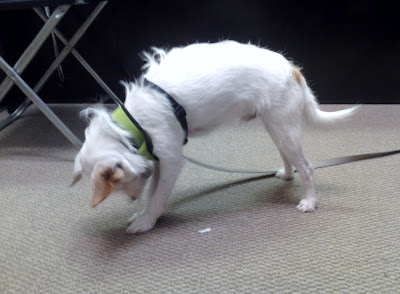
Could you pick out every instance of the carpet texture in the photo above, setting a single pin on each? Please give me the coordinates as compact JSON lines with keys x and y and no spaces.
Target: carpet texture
{"x":51,"y":241}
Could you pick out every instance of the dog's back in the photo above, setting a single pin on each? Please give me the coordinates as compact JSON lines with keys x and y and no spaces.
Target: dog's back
{"x":237,"y":80}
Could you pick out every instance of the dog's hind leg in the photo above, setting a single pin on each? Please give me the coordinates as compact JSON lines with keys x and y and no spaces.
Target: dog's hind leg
{"x":287,"y":137}
{"x":287,"y":173}
{"x":169,"y":170}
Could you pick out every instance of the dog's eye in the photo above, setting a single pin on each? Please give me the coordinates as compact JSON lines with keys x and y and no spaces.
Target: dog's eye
{"x":118,"y":165}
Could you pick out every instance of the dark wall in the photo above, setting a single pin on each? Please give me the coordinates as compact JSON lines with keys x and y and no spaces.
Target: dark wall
{"x":349,"y":50}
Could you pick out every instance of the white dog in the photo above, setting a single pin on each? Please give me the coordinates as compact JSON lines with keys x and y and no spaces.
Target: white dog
{"x":215,"y":84}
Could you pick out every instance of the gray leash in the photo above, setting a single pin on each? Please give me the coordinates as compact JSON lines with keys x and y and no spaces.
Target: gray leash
{"x":320,"y":164}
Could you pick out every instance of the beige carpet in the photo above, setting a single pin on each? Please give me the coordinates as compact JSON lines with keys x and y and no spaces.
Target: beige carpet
{"x":51,"y":241}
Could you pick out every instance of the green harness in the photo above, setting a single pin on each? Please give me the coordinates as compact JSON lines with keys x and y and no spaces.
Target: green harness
{"x":140,"y":139}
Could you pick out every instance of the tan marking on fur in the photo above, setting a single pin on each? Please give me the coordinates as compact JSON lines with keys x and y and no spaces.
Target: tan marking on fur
{"x":104,"y":184}
{"x":297,"y":75}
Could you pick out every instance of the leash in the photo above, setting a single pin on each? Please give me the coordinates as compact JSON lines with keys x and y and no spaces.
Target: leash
{"x":317,"y":165}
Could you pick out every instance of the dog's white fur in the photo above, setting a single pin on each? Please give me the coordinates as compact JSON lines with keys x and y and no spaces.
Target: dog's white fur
{"x":216,"y":84}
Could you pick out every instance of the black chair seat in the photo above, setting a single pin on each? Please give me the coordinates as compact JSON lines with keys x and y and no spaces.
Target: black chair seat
{"x":21,"y":4}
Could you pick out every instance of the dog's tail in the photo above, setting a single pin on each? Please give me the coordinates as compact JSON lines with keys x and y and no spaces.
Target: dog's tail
{"x":313,"y":114}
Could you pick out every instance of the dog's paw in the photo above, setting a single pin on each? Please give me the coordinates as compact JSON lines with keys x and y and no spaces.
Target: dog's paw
{"x":140,"y":224}
{"x":281,"y":174}
{"x":307,"y":205}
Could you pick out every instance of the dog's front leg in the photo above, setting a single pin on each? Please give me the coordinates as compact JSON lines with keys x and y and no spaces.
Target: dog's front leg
{"x":140,"y":201}
{"x":155,"y":178}
{"x":166,"y":174}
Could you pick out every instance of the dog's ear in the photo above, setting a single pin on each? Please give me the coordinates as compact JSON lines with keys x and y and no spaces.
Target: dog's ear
{"x":104,"y":181}
{"x":78,"y":170}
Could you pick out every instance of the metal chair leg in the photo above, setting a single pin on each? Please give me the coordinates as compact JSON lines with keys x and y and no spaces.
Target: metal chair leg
{"x":68,"y":47}
{"x":32,"y":49}
{"x":82,"y":61}
{"x":15,"y":115}
{"x":14,"y":76}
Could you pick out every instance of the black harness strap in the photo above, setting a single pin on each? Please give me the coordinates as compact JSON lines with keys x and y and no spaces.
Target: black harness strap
{"x":179,"y":111}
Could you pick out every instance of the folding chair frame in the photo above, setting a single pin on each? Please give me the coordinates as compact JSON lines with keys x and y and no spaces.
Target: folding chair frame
{"x":13,"y":73}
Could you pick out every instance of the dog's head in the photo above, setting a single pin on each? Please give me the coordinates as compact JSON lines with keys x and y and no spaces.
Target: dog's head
{"x":109,"y":160}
